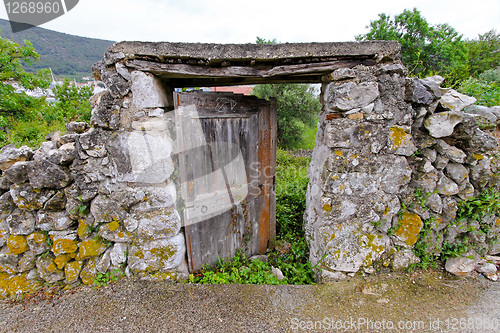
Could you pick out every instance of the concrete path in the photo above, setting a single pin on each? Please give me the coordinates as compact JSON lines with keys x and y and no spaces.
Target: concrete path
{"x":417,"y":302}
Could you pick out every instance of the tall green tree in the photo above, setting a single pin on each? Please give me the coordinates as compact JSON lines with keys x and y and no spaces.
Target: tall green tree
{"x":484,"y":53}
{"x":296,"y":103}
{"x":425,"y":49}
{"x":12,"y":58}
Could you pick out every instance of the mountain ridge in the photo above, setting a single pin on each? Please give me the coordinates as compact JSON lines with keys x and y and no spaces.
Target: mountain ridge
{"x":65,"y":54}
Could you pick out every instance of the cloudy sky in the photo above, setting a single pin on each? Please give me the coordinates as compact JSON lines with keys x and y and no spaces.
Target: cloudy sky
{"x":234,"y":21}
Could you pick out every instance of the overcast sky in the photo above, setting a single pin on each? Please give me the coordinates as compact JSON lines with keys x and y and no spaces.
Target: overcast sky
{"x":233,"y":21}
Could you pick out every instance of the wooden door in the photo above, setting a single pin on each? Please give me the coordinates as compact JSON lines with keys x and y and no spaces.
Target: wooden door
{"x":227,"y":162}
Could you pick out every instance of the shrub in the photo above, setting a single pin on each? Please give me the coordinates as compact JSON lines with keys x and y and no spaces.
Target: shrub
{"x":486,"y":93}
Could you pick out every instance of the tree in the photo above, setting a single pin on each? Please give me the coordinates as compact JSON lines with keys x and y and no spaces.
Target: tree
{"x":484,"y":53}
{"x":73,"y":102}
{"x":12,"y":58}
{"x":297,"y":106}
{"x":425,"y":49}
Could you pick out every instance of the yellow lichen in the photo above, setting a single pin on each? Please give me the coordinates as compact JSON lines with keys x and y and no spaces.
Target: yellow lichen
{"x":19,"y":285}
{"x":61,"y":260}
{"x":72,"y":271}
{"x":409,"y":228}
{"x":91,"y":248}
{"x":83,"y":230}
{"x":478,"y":156}
{"x":63,"y":246}
{"x":399,"y":137}
{"x":17,"y":244}
{"x":327,"y":207}
{"x":113,"y":225}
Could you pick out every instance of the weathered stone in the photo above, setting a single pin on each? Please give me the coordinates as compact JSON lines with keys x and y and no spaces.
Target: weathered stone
{"x":94,"y":142}
{"x":123,"y":71}
{"x":410,"y":225}
{"x":148,"y":91}
{"x":6,"y":205}
{"x":77,"y":127}
{"x":450,"y":209}
{"x":48,"y":270}
{"x":104,"y":209}
{"x":10,"y":154}
{"x":27,"y":198}
{"x":56,"y":202}
{"x":8,"y":261}
{"x":467,"y":190}
{"x":155,"y":224}
{"x":401,"y":142}
{"x":105,"y":112}
{"x":455,"y":101}
{"x":446,"y":186}
{"x":442,"y":124}
{"x":89,"y":272}
{"x":44,"y":174}
{"x":434,"y":203}
{"x":429,"y":154}
{"x":67,"y":138}
{"x":350,"y":249}
{"x":363,"y":177}
{"x":114,"y":232}
{"x":404,"y":258}
{"x":18,"y":172}
{"x":21,"y":222}
{"x":464,"y":264}
{"x":64,"y":242}
{"x":347,"y":133}
{"x":5,"y":184}
{"x":482,"y":111}
{"x":104,"y":262}
{"x":432,"y":84}
{"x":67,"y":153}
{"x":452,"y":153}
{"x":481,"y":142}
{"x":457,"y":172}
{"x":62,"y":259}
{"x":4,"y":232}
{"x":48,"y":220}
{"x":47,"y":151}
{"x":27,"y":262}
{"x":72,"y":271}
{"x":118,"y":255}
{"x":17,"y":244}
{"x":37,"y":242}
{"x":388,"y":213}
{"x":487,"y":269}
{"x":416,"y":92}
{"x":116,"y":84}
{"x":441,"y":162}
{"x":159,"y":255}
{"x":427,"y":181}
{"x":348,"y":96}
{"x":92,"y":247}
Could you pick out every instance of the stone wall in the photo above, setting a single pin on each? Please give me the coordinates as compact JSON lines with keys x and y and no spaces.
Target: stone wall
{"x":393,"y":158}
{"x":97,"y":201}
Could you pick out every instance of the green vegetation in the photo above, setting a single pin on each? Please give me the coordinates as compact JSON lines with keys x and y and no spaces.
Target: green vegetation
{"x":473,"y":219}
{"x":25,"y":120}
{"x":436,"y":49}
{"x":486,"y":92}
{"x":291,"y":253}
{"x":102,"y":280}
{"x":66,"y":55}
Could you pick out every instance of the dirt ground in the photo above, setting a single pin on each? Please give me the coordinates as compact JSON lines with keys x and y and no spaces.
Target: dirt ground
{"x":397,"y":302}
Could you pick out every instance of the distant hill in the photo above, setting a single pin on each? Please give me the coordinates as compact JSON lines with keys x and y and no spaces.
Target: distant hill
{"x":66,"y":55}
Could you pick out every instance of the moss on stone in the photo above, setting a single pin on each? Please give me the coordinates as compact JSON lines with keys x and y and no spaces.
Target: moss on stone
{"x":61,"y":260}
{"x":17,"y":244}
{"x":92,"y":247}
{"x":64,"y":246}
{"x":410,"y":225}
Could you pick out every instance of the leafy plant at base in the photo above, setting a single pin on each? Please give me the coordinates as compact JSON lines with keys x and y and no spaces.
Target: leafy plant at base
{"x":486,"y":93}
{"x":102,"y":280}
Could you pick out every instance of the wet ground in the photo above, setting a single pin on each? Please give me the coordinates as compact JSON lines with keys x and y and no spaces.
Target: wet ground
{"x":415,"y":302}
